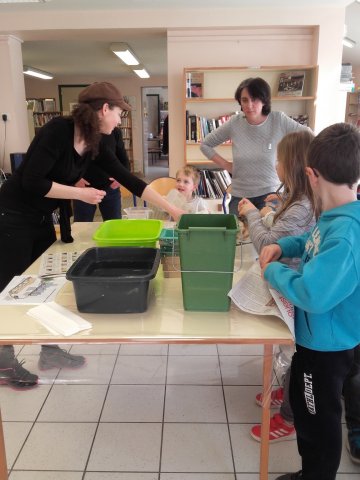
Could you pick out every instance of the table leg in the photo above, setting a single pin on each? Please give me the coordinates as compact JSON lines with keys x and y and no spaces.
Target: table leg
{"x":265,"y":422}
{"x":3,"y":464}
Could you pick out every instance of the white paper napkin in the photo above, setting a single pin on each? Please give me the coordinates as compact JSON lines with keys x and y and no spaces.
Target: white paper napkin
{"x":58,"y":320}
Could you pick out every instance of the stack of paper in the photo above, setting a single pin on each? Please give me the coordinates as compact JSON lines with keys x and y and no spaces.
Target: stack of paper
{"x":58,"y":320}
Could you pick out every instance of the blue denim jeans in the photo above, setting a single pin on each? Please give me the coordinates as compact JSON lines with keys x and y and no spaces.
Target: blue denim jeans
{"x":110,"y":207}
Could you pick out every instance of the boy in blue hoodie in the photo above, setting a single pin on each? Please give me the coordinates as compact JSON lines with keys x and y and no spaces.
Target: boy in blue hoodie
{"x":326,"y":294}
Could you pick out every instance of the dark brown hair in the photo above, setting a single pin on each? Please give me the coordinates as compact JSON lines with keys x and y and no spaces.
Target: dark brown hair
{"x":87,"y":121}
{"x":335,"y":154}
{"x":291,"y":154}
{"x":257,"y":88}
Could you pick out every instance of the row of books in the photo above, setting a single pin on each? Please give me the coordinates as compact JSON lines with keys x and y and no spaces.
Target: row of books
{"x":41,"y":104}
{"x":194,"y":84}
{"x":41,"y":118}
{"x":198,"y":127}
{"x":290,"y":84}
{"x":213,"y":183}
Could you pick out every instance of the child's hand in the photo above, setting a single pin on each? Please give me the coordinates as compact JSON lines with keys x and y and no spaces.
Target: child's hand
{"x":176,"y":213}
{"x":272,"y":197}
{"x":269,"y":254}
{"x":265,"y":210}
{"x":245,"y":206}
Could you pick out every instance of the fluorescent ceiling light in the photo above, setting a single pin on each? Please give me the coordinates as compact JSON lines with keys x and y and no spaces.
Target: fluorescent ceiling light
{"x":35,"y":72}
{"x":142,"y":73}
{"x":24,"y":1}
{"x":348,"y":42}
{"x":123,"y":51}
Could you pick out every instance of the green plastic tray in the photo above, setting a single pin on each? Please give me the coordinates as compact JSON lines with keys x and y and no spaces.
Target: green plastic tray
{"x":130,"y":233}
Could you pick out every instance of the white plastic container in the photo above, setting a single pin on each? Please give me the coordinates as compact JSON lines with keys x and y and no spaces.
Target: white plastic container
{"x":138,"y":212}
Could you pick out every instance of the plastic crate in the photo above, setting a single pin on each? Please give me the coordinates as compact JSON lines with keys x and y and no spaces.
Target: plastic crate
{"x":132,"y":233}
{"x":207,"y":255}
{"x":114,"y":279}
{"x":169,"y":242}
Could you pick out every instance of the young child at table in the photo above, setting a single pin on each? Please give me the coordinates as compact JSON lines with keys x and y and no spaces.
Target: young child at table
{"x":184,"y":196}
{"x":326,"y":294}
{"x":294,"y":216}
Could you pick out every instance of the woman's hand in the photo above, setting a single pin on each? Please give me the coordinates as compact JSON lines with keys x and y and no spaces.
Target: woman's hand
{"x":245,"y":206}
{"x":91,"y":195}
{"x":269,"y":254}
{"x":114,"y":183}
{"x":82,"y":183}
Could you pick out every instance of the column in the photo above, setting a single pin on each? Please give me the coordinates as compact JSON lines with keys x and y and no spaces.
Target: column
{"x":14,"y":133}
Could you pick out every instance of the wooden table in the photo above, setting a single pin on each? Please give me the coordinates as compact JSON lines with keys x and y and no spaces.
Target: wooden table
{"x":165,"y":321}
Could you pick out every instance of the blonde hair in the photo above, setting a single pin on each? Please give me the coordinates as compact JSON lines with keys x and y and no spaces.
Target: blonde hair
{"x":190,"y":171}
{"x":292,"y":154}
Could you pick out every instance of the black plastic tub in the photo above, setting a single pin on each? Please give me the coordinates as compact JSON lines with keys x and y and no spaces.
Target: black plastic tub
{"x":114,"y":279}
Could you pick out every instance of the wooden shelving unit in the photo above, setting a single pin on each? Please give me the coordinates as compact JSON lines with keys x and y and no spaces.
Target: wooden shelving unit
{"x":217,"y":100}
{"x":127,"y":135}
{"x":43,"y":110}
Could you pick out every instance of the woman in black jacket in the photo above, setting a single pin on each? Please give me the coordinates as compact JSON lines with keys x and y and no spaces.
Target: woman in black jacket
{"x":65,"y":150}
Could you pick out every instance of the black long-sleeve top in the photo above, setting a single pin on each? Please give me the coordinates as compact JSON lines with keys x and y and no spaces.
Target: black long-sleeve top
{"x":51,"y":157}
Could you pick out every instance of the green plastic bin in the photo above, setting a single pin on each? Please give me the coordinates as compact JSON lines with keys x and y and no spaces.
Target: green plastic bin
{"x":128,"y":233}
{"x":207,"y":254}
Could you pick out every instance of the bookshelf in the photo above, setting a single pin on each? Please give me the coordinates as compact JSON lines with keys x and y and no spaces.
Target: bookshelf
{"x":216,"y":102}
{"x":127,"y":135}
{"x":352,"y":112}
{"x":43,"y":110}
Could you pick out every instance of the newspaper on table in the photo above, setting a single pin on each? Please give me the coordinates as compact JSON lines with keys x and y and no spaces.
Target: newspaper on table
{"x":31,"y":290}
{"x":253,"y":295}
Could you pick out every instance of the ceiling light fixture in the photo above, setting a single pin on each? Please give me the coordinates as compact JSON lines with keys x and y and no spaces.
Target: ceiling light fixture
{"x":35,"y":72}
{"x":348,"y":42}
{"x":141,"y":72}
{"x":24,"y":1}
{"x":122,"y":50}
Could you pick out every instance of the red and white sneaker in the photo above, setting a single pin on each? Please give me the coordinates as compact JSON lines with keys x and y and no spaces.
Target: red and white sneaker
{"x":277,"y":398}
{"x":279,"y":430}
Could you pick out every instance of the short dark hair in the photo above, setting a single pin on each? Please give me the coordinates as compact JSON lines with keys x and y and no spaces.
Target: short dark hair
{"x":257,"y":88}
{"x":335,"y":154}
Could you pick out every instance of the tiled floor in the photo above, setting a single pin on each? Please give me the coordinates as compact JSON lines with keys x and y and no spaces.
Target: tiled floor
{"x":144,"y":412}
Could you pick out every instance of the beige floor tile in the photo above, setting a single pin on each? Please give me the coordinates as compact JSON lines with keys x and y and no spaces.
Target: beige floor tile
{"x":132,"y":447}
{"x":57,"y":446}
{"x":241,"y":370}
{"x":146,"y":369}
{"x":196,"y":448}
{"x":134,"y":403}
{"x":194,"y":370}
{"x":192,"y":403}
{"x":74,"y":403}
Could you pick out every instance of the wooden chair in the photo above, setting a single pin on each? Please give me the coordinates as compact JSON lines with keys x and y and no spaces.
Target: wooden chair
{"x":163,"y":185}
{"x":125,"y":193}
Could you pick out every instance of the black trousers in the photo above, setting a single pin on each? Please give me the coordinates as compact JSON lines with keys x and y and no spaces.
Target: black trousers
{"x":352,"y":393}
{"x":316,"y":385}
{"x":23,"y":238}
